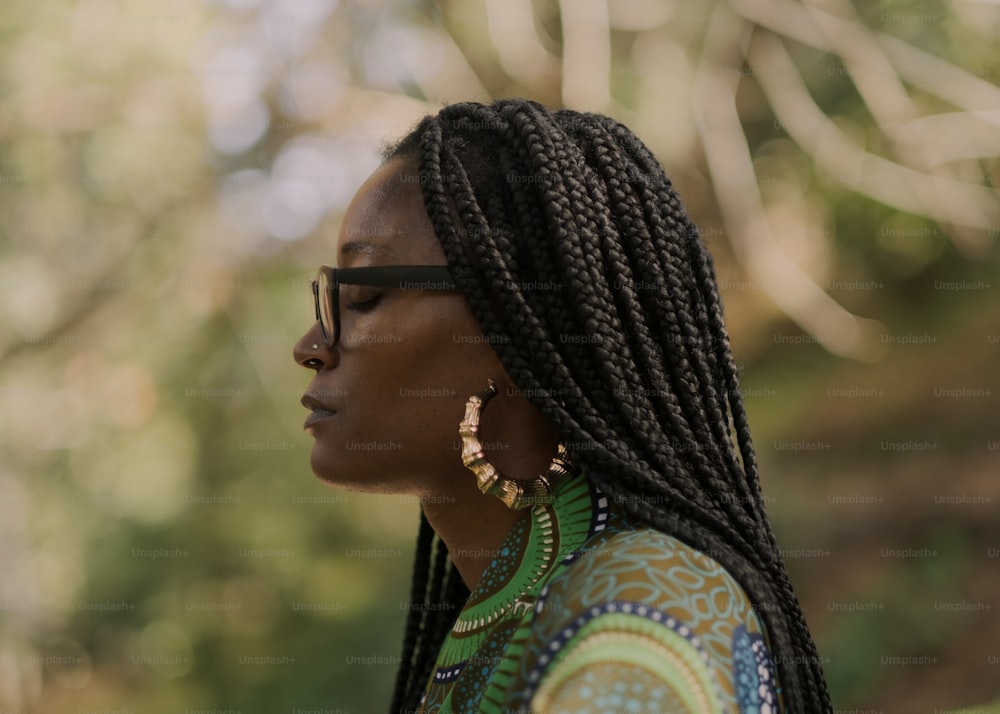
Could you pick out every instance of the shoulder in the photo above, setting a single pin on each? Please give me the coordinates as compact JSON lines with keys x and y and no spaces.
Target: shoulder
{"x":648,"y":567}
{"x":641,"y":615}
{"x":642,"y":564}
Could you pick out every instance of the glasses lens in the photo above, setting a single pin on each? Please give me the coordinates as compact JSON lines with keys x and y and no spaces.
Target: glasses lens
{"x":327,"y":317}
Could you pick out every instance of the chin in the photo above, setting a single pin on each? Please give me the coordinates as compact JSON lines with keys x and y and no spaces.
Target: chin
{"x":358,"y":474}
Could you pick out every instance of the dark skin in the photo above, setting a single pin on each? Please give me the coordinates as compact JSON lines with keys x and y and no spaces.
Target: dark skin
{"x":399,"y":378}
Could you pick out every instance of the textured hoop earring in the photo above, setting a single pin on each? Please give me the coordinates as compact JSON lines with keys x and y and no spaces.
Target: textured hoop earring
{"x":515,"y":493}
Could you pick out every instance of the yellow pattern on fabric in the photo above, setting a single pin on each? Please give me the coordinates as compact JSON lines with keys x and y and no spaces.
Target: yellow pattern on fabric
{"x":650,"y":664}
{"x":649,"y":568}
{"x":586,"y":691}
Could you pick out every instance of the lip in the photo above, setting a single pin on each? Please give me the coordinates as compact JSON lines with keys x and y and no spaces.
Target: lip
{"x":318,"y":410}
{"x":317,"y":415}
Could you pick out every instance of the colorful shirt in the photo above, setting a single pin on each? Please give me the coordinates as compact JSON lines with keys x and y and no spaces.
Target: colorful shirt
{"x":584,"y":611}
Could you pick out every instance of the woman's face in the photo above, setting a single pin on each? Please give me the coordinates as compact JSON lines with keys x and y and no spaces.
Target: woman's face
{"x":406,"y":362}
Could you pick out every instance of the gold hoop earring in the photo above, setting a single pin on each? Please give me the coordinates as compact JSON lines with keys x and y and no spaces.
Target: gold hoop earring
{"x":515,"y":493}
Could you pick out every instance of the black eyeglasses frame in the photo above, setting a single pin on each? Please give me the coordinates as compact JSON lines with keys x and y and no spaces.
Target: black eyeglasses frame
{"x":404,"y":277}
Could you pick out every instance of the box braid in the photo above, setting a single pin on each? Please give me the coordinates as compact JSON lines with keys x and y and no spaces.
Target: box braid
{"x":564,"y":224}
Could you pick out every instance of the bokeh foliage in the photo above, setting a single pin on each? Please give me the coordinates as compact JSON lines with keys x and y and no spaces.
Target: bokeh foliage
{"x":171,"y":174}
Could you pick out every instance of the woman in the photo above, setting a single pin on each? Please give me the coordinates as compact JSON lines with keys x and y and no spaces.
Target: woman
{"x":525,"y":332}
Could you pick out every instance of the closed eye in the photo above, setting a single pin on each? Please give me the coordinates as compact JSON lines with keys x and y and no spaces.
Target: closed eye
{"x":363,"y":306}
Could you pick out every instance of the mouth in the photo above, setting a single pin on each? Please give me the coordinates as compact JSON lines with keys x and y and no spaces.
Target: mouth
{"x":318,"y":411}
{"x":317,"y":415}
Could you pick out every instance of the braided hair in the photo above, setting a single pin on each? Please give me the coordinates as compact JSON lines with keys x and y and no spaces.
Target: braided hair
{"x":599,"y":297}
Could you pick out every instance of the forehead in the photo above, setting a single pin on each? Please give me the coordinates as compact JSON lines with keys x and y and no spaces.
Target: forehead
{"x":386,"y":223}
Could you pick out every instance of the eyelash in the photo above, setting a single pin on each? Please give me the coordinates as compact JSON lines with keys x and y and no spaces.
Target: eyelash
{"x":364,"y":305}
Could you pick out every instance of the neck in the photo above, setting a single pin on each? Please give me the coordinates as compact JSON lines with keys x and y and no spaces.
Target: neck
{"x":473,"y":528}
{"x":474,"y":525}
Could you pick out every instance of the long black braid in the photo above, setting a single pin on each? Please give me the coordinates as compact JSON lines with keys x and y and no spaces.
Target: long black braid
{"x":559,"y":224}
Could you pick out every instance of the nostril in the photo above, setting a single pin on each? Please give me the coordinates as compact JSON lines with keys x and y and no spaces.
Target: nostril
{"x":313,"y":363}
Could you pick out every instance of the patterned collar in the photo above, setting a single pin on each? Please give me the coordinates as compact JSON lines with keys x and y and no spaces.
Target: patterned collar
{"x":544,"y":538}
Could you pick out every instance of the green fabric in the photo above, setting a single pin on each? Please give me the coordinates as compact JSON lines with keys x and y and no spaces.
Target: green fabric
{"x":583,"y":611}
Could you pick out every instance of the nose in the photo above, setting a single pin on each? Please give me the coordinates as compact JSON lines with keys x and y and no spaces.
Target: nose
{"x":311,"y":351}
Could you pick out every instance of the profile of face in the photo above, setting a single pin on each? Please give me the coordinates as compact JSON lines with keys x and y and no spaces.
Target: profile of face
{"x":387,"y":398}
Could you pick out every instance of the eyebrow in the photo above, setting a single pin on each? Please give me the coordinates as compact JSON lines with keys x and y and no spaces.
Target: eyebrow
{"x":365,"y":248}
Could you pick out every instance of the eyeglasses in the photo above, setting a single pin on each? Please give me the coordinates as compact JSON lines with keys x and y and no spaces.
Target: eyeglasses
{"x":326,"y":287}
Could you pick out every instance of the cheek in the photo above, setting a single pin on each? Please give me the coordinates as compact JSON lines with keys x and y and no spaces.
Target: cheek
{"x":409,"y":378}
{"x":424,"y":396}
{"x":424,"y":384}
{"x":429,"y":347}
{"x":403,"y":407}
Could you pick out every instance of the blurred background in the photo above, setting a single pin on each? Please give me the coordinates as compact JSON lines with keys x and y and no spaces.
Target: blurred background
{"x":171,"y":174}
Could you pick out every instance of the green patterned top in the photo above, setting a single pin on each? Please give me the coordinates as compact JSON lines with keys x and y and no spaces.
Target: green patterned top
{"x":582,"y":611}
